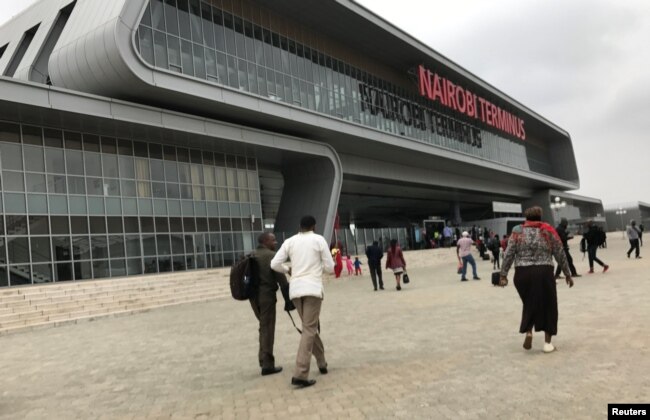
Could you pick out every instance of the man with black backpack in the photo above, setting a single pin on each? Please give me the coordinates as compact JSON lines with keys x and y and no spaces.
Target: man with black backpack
{"x":264,"y":301}
{"x":594,"y":238}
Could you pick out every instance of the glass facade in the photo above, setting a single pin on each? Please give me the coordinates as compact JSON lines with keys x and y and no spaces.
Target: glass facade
{"x":209,"y":41}
{"x":78,"y":206}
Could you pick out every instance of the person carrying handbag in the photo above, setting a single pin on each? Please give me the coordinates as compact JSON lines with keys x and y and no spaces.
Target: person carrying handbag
{"x":395,"y":261}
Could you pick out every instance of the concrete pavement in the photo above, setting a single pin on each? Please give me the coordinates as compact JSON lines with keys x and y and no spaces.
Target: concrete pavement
{"x":437,"y":349}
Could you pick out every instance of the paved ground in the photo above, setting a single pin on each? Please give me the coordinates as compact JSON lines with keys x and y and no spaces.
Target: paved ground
{"x":437,"y":349}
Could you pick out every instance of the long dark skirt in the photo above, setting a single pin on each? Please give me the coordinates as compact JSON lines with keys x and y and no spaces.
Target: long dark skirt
{"x":536,"y":287}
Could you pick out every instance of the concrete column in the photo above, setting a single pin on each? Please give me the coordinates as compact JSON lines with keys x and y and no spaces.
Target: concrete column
{"x":310,"y":187}
{"x":541,"y":198}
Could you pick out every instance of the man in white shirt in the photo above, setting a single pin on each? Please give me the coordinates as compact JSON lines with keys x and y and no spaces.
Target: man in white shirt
{"x":464,"y":252}
{"x":310,"y":256}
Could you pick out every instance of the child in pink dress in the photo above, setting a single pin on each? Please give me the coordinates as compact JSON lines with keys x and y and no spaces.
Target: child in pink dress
{"x":349,"y":265}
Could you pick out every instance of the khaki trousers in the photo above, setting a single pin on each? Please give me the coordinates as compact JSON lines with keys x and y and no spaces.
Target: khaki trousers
{"x":308,"y":308}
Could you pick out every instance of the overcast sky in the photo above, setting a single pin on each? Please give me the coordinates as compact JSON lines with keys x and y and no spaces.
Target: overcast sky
{"x":583,"y":64}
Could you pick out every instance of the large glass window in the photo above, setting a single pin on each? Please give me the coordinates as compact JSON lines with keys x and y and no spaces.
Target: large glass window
{"x":222,"y":46}
{"x":96,"y":191}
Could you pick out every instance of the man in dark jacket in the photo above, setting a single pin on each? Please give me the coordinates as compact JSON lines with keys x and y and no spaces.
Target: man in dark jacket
{"x":564,"y":237}
{"x":375,"y":254}
{"x":264,"y":302}
{"x":641,"y":229}
{"x":595,"y":238}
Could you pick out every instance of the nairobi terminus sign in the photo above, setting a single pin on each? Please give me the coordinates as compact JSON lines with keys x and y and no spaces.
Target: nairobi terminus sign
{"x":453,"y":96}
{"x":395,"y":108}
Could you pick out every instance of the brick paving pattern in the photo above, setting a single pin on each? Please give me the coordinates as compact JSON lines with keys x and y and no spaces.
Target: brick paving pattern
{"x":437,"y":349}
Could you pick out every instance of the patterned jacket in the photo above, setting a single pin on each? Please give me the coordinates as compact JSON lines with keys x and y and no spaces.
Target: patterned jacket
{"x":534,"y":243}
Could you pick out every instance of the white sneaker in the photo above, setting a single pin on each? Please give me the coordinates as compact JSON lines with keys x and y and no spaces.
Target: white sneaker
{"x":549,"y":348}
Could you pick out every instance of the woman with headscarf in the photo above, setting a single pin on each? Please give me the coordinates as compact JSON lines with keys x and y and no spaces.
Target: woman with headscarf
{"x":338,"y":260}
{"x":395,"y":261}
{"x":531,"y":248}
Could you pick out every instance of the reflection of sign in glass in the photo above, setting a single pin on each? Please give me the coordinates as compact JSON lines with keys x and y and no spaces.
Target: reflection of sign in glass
{"x":453,"y":96}
{"x":499,"y":207}
{"x":395,"y":108}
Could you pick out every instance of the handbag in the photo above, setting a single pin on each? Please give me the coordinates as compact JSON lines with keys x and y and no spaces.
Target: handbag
{"x":460,"y":268}
{"x":406,"y":279}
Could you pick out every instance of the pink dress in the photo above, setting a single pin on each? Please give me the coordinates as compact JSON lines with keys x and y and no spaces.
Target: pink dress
{"x":349,"y":266}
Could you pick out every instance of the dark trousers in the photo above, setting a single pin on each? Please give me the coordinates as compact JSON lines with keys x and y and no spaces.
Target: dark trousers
{"x":264,"y":309}
{"x":375,"y":273}
{"x":495,"y":255}
{"x":591,"y":251}
{"x":569,"y":260}
{"x":634,"y":246}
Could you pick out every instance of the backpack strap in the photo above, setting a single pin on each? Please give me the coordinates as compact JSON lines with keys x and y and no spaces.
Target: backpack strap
{"x":294,"y":323}
{"x":298,"y":329}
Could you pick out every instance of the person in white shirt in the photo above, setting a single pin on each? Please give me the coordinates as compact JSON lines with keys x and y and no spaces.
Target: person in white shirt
{"x":310,"y":256}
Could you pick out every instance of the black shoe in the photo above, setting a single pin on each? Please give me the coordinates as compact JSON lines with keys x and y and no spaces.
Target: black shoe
{"x":271,"y":370}
{"x":463,"y":279}
{"x":638,"y":256}
{"x":477,"y":278}
{"x":323,"y":370}
{"x":558,"y":277}
{"x":381,"y":287}
{"x":375,"y":289}
{"x":577,"y":275}
{"x":302,"y":383}
{"x":398,"y":287}
{"x":628,"y":255}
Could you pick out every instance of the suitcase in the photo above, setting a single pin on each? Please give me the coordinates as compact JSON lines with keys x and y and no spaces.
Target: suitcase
{"x":496,"y":276}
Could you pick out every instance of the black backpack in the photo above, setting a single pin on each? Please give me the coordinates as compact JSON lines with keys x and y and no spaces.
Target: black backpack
{"x":243,"y":282}
{"x":583,"y":245}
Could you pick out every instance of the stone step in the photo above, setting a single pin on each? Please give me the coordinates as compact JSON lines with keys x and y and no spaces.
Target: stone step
{"x":71,"y":295}
{"x":110,"y":298}
{"x":84,"y":287}
{"x":51,"y":324}
{"x":118,"y":307}
{"x":106,"y":302}
{"x":152,"y":278}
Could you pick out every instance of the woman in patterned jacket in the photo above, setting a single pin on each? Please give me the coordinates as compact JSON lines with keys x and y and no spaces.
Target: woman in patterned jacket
{"x":532,"y":247}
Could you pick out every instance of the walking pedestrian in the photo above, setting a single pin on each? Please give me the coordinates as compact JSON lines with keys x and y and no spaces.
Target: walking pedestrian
{"x":464,"y":253}
{"x":349,"y":265}
{"x":447,"y":233}
{"x":561,"y":230}
{"x":641,"y":229}
{"x":338,"y":261}
{"x":264,"y":302}
{"x":309,"y":255}
{"x":595,"y":237}
{"x":395,"y":261}
{"x":357,"y":267}
{"x":633,"y":236}
{"x":532,"y":247}
{"x":495,"y":247}
{"x":375,"y":254}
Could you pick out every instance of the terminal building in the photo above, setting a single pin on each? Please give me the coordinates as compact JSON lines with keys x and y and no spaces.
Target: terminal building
{"x":620,"y":215}
{"x":144,"y":136}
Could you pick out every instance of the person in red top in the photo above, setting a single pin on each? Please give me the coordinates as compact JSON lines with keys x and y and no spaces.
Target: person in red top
{"x":395,"y":261}
{"x":338,"y":260}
